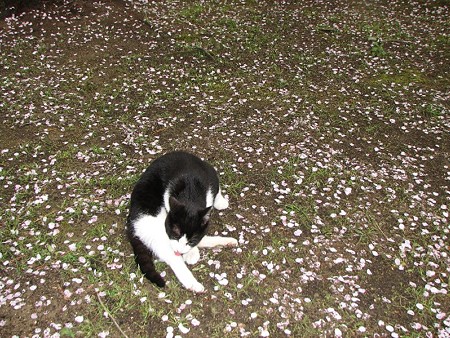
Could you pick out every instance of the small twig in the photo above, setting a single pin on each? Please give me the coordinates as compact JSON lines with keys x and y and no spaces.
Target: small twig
{"x":406,"y":42}
{"x":376,"y":224}
{"x":159,"y":130}
{"x":328,"y":29}
{"x":205,"y":52}
{"x":110,"y":315}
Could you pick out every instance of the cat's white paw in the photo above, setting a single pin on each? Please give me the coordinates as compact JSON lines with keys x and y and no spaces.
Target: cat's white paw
{"x":192,"y":257}
{"x":220,"y":202}
{"x":231,"y":242}
{"x":197,"y":287}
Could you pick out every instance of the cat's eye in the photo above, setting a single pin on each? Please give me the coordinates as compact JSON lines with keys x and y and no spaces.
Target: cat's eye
{"x":176,"y":232}
{"x":176,"y":237}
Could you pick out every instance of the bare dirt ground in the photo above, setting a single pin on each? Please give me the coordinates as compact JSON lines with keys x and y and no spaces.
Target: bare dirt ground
{"x":327,"y":120}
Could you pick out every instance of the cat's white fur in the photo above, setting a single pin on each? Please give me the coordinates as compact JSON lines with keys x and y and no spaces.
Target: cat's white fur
{"x":152,"y":232}
{"x":220,"y":202}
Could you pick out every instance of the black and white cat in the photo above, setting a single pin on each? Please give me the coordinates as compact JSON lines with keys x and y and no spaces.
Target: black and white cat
{"x":169,"y":215}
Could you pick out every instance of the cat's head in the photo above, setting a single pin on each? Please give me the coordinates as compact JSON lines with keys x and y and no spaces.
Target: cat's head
{"x":186,"y":225}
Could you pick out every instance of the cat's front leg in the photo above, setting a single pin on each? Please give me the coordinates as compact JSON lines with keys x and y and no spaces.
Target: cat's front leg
{"x":192,"y":256}
{"x":196,"y":287}
{"x":214,"y":241}
{"x":185,"y":275}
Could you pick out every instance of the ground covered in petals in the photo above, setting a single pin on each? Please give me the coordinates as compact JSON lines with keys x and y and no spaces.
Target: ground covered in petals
{"x":327,"y":120}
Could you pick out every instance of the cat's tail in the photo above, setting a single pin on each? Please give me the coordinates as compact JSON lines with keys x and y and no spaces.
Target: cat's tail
{"x":144,"y":258}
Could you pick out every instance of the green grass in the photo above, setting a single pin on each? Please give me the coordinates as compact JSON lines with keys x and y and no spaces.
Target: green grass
{"x":192,"y":12}
{"x":434,"y":111}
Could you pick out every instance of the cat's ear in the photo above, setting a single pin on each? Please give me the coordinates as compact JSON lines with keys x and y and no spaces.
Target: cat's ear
{"x":174,"y":204}
{"x":205,"y":214}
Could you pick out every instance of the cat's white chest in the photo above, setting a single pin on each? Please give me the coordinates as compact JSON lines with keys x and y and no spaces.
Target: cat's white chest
{"x":151,"y":231}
